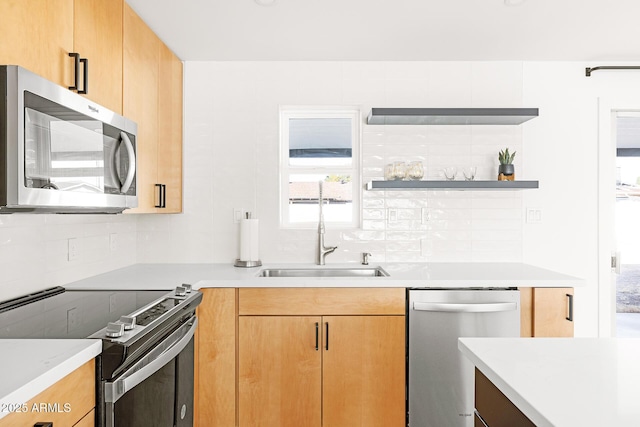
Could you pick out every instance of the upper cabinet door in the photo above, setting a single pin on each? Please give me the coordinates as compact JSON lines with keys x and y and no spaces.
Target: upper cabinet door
{"x":38,"y":35}
{"x":140,"y":103}
{"x":98,"y":37}
{"x":170,"y":135}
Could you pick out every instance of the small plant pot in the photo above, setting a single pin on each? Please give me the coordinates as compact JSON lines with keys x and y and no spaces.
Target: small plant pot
{"x":506,"y":173}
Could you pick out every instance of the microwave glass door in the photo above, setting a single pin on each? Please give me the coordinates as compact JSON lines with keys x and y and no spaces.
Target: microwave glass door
{"x":68,"y":151}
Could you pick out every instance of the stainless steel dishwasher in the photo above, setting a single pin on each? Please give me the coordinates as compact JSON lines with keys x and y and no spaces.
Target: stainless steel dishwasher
{"x":441,"y":379}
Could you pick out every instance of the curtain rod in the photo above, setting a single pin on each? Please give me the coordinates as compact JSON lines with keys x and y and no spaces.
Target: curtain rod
{"x":588,"y":70}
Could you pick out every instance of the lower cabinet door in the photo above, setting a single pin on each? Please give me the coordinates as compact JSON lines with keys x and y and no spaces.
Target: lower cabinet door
{"x":280,"y":371}
{"x":363,"y":371}
{"x":553,"y":312}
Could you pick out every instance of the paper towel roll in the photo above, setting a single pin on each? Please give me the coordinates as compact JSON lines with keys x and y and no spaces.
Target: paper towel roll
{"x":249,"y":241}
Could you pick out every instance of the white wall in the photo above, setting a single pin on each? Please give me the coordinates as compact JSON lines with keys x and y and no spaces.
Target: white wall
{"x":562,"y":152}
{"x":33,"y":249}
{"x":231,"y":160}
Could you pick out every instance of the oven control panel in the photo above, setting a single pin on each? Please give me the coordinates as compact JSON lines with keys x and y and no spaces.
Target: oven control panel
{"x":126,"y":327}
{"x":156,"y":311}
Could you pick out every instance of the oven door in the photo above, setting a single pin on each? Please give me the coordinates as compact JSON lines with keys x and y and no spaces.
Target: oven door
{"x":157,"y":391}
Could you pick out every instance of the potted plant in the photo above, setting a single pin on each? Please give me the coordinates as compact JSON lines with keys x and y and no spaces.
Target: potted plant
{"x":506,"y":170}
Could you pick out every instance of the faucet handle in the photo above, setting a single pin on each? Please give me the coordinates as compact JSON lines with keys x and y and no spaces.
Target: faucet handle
{"x":365,"y":258}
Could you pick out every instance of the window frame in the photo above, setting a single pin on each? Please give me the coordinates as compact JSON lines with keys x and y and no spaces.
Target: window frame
{"x":286,"y":170}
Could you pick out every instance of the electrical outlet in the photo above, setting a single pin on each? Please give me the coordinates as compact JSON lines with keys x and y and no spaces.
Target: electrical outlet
{"x":113,"y":303}
{"x":425,"y":215}
{"x":113,"y":242}
{"x":392,"y":215}
{"x":238,"y":214}
{"x":72,"y":319}
{"x":72,"y":249}
{"x":534,"y":216}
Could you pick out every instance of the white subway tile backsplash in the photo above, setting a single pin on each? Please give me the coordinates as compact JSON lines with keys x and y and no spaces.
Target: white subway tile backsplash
{"x":231,"y":157}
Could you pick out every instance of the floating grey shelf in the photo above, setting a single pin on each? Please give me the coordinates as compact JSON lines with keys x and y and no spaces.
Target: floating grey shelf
{"x":451,"y":185}
{"x":450,"y":116}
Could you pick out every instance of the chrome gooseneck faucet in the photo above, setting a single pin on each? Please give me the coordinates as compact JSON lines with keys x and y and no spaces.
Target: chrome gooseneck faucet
{"x":322,"y":250}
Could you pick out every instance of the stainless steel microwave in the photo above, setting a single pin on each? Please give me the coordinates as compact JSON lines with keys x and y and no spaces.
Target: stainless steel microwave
{"x":60,"y":152}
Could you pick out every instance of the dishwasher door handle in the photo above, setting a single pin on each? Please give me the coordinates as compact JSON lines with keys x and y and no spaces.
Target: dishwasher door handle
{"x":480,"y":307}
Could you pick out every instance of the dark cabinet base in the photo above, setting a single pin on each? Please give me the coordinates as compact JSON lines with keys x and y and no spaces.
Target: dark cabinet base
{"x":495,"y":408}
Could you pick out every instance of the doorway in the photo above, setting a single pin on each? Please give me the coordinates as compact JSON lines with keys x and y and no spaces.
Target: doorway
{"x":617,"y":202}
{"x":627,"y":224}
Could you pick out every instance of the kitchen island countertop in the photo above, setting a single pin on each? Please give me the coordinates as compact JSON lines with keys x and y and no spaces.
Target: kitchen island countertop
{"x":403,"y":275}
{"x":564,"y":382}
{"x":30,"y":366}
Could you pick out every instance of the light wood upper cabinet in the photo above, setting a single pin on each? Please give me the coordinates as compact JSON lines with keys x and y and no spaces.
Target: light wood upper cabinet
{"x":152,"y":84}
{"x":130,"y":71}
{"x":546,"y":312}
{"x":38,"y":35}
{"x":77,"y":390}
{"x":98,"y":37}
{"x":140,"y":102}
{"x":42,"y":33}
{"x":170,"y":130}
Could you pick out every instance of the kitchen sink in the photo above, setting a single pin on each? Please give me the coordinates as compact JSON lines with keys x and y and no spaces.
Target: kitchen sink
{"x":324,"y":272}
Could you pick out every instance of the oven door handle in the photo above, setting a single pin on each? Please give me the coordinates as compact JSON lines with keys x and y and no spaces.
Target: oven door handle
{"x":162,"y":354}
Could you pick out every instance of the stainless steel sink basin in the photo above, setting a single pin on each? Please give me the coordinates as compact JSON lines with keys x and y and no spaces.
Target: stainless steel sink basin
{"x":324,"y":272}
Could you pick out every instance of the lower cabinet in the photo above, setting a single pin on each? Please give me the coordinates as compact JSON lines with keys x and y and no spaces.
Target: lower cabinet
{"x":69,"y":402}
{"x":494,"y":409}
{"x":321,"y":371}
{"x":215,"y":382}
{"x":330,"y":357}
{"x":546,"y":312}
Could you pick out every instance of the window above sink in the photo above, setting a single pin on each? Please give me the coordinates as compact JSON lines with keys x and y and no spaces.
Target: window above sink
{"x":319,"y":144}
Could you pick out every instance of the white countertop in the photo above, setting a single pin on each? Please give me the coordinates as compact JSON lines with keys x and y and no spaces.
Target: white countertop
{"x":30,"y":366}
{"x":564,"y":382}
{"x":404,"y":275}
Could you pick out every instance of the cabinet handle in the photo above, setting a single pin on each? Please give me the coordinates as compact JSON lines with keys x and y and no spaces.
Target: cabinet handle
{"x":85,"y":77}
{"x":317,"y":336}
{"x":45,"y":424}
{"x":162,"y":196}
{"x":159,"y":187}
{"x":76,"y":68}
{"x":326,"y":325}
{"x":570,"y":317}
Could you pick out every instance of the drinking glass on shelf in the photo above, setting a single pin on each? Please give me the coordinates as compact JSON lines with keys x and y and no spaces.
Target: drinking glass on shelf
{"x":469,"y":173}
{"x":450,"y":173}
{"x":399,"y":170}
{"x":388,"y":172}
{"x":415,"y":171}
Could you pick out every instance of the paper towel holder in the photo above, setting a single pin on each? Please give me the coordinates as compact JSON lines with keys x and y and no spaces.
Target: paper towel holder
{"x":240,"y":263}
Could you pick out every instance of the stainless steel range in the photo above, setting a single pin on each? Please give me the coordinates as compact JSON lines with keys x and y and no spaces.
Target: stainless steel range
{"x":144,"y":376}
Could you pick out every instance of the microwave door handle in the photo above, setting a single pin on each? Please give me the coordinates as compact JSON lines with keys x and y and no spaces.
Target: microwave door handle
{"x":465,"y":307}
{"x":176,"y":342}
{"x":115,"y":163}
{"x":131,"y":172}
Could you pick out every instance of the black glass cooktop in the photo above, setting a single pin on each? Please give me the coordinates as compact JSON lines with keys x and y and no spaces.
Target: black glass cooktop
{"x":68,"y":314}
